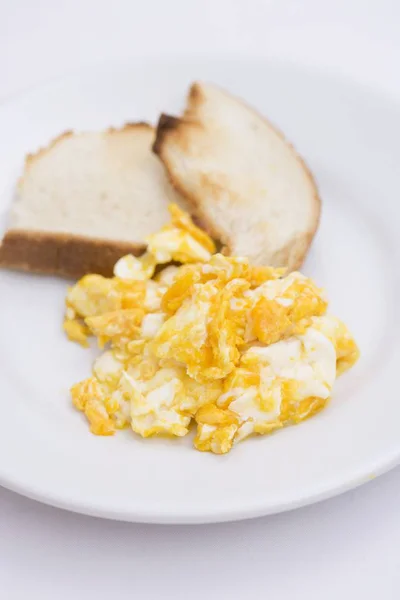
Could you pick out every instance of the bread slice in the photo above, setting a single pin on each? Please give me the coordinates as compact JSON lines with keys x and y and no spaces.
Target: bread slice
{"x":245,"y":183}
{"x":85,"y":201}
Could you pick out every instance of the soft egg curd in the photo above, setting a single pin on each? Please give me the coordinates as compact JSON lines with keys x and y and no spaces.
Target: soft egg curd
{"x":234,"y":348}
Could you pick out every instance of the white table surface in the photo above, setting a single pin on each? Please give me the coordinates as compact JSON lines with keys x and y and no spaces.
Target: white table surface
{"x":346,"y":548}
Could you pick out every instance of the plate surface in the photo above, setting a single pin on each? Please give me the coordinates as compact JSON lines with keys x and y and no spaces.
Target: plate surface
{"x":349,"y":137}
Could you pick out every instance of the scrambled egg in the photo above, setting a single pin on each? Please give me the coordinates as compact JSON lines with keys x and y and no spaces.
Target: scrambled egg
{"x":235,"y":349}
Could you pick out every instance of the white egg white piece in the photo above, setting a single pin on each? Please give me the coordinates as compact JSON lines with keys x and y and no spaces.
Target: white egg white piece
{"x":151,"y":325}
{"x":106,"y":365}
{"x":129,"y":267}
{"x":155,"y":410}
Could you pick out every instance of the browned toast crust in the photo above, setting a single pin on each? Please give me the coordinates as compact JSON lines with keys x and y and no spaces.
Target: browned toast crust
{"x":62,"y":253}
{"x":172,"y":126}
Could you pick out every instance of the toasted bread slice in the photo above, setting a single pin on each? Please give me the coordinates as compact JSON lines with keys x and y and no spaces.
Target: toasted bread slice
{"x":85,"y":201}
{"x":245,"y":183}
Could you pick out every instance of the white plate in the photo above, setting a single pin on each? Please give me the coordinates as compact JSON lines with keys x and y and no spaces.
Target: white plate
{"x":350,"y":138}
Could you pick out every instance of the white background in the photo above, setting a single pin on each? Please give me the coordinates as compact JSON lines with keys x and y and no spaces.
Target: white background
{"x":346,"y":548}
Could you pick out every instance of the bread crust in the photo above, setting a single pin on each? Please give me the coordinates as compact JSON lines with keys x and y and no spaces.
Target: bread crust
{"x":61,"y":253}
{"x":32,"y":157}
{"x":170,"y":127}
